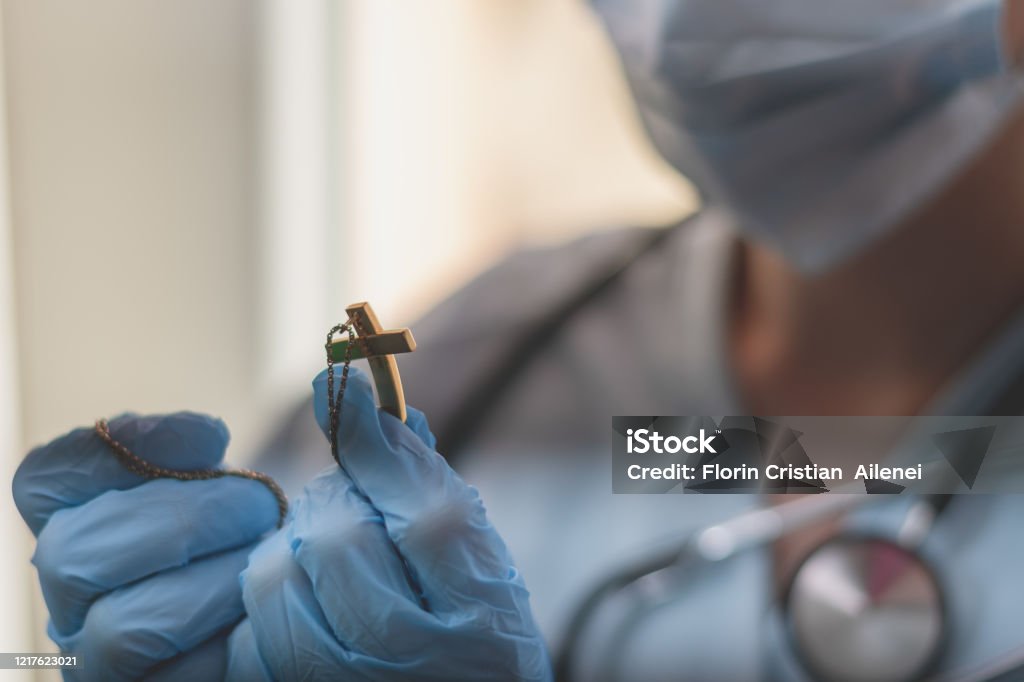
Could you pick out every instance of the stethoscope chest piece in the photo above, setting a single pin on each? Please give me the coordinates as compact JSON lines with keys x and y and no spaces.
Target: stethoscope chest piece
{"x":865,"y":608}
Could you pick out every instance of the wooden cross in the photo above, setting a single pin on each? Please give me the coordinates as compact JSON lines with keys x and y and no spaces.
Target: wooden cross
{"x":379,"y":348}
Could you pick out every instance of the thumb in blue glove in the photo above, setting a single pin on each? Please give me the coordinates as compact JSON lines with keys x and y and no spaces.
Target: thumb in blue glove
{"x":388,"y":569}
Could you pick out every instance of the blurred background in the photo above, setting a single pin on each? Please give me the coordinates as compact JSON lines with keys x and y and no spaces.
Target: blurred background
{"x":190,"y":192}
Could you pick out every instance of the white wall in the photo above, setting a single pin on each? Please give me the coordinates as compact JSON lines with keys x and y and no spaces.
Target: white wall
{"x":475,"y":126}
{"x":132,"y":148}
{"x":16,"y":634}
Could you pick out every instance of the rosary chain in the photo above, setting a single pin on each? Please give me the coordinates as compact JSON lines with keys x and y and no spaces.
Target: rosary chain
{"x":334,"y":403}
{"x":141,"y":467}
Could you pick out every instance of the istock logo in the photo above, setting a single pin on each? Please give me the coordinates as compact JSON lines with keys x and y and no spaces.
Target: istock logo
{"x":642,"y":441}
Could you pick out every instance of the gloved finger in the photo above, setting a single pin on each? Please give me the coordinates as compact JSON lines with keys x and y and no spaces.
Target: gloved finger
{"x":355,"y":572}
{"x":131,"y":630}
{"x":78,"y":466}
{"x":417,"y":421}
{"x":290,"y":630}
{"x":206,"y":663}
{"x":125,"y":535}
{"x":437,"y":521}
{"x":375,"y":635}
{"x":245,"y":664}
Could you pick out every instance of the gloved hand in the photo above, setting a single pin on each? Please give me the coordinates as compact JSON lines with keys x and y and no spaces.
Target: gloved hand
{"x":388,"y":569}
{"x":141,"y":577}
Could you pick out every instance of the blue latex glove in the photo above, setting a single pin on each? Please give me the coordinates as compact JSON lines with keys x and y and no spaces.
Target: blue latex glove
{"x":141,"y":577}
{"x":388,"y":569}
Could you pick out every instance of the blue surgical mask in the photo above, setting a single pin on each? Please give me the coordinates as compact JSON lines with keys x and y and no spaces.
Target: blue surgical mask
{"x":819,"y":124}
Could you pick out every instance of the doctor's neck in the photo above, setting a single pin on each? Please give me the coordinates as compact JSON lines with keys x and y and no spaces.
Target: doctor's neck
{"x":884,"y":333}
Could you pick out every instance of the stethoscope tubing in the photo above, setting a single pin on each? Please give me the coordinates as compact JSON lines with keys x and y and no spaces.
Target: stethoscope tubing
{"x":720,"y":542}
{"x":715,"y":543}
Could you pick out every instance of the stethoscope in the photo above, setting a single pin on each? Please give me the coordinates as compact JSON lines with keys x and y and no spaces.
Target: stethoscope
{"x":858,"y":607}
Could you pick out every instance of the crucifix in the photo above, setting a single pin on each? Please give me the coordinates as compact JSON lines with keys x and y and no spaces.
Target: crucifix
{"x":379,"y":348}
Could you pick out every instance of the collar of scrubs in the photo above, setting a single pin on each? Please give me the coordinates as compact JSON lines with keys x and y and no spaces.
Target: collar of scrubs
{"x":701,"y":286}
{"x":987,"y":376}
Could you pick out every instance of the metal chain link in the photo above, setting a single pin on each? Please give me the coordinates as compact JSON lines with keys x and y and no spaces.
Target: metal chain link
{"x":141,"y":467}
{"x":334,"y":403}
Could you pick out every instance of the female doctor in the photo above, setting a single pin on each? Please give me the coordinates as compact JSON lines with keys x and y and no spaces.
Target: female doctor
{"x":859,"y":254}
